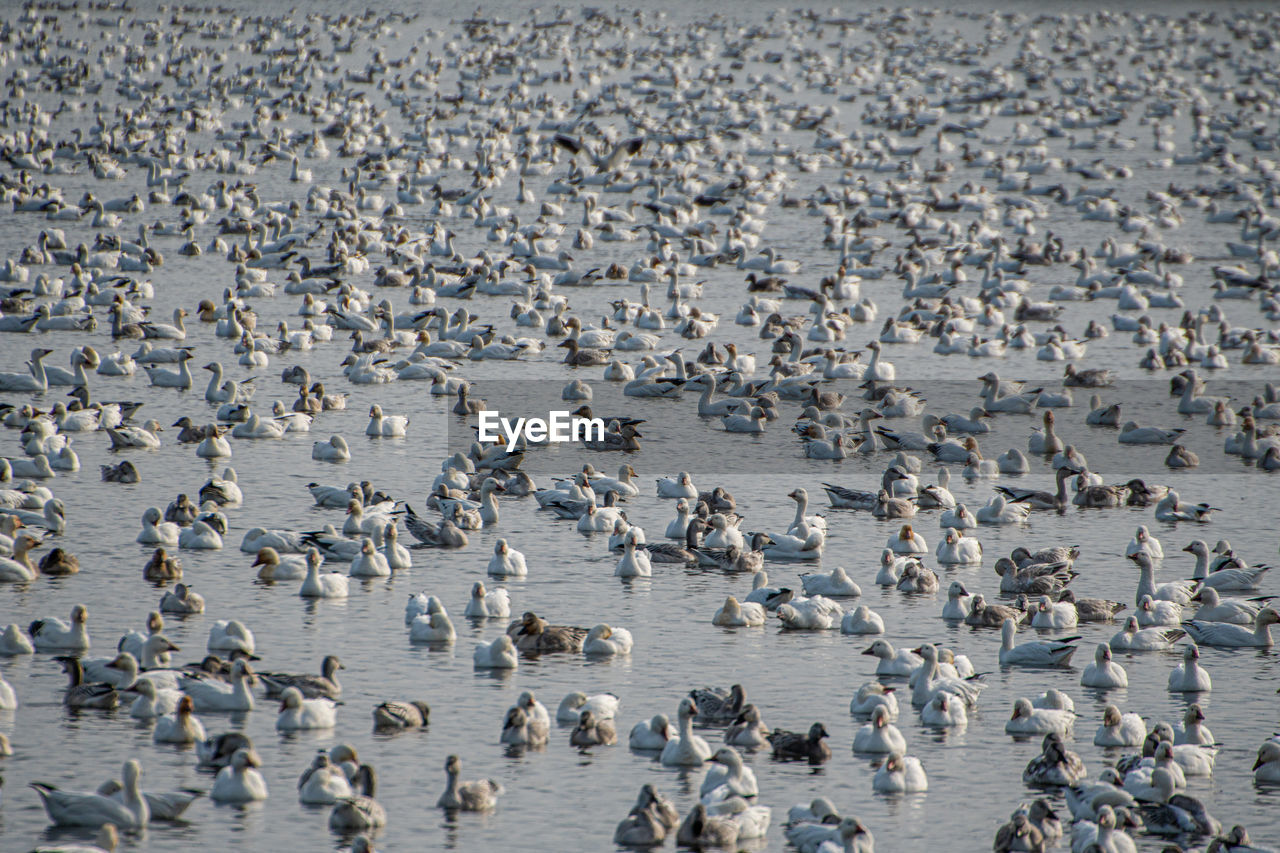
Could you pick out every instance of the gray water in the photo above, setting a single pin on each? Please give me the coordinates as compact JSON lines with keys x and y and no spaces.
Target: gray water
{"x":557,"y":797}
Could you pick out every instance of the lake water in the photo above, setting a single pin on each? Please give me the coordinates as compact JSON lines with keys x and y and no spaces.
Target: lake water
{"x":558,"y":797}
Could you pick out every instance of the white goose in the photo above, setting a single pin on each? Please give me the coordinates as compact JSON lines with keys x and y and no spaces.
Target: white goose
{"x":1043,"y":653}
{"x":730,"y":778}
{"x":212,"y":695}
{"x":498,"y":654}
{"x":1189,"y":676}
{"x":632,"y":563}
{"x":297,"y":713}
{"x":733,"y":614}
{"x":52,"y":634}
{"x":70,"y":808}
{"x":651,"y":734}
{"x":862,"y":620}
{"x":880,"y":735}
{"x":1120,"y":729}
{"x":181,"y":726}
{"x":385,"y":426}
{"x":369,"y":563}
{"x":872,"y":695}
{"x":837,"y":584}
{"x":605,"y":641}
{"x":900,"y":775}
{"x":34,"y":381}
{"x":240,"y":781}
{"x":316,"y":585}
{"x":156,"y":531}
{"x":1104,"y":673}
{"x":1179,"y":592}
{"x":603,"y":706}
{"x":488,"y":604}
{"x":333,"y":450}
{"x":199,"y":537}
{"x":323,"y":783}
{"x":686,"y":749}
{"x":1226,"y":635}
{"x":230,"y":635}
{"x":506,"y":561}
{"x":1029,"y":720}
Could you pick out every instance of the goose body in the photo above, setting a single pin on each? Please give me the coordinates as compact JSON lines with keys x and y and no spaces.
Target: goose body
{"x":685,"y":749}
{"x":68,"y":808}
{"x":240,"y":781}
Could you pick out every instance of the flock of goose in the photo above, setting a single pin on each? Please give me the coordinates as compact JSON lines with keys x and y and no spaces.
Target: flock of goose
{"x":729,"y":231}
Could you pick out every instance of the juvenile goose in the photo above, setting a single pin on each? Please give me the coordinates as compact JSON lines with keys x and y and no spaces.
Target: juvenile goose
{"x":401,"y":715}
{"x":474,"y":796}
{"x":747,"y":729}
{"x":701,"y":830}
{"x":1019,"y":834}
{"x":520,"y":728}
{"x":650,"y":820}
{"x":359,"y":812}
{"x":1091,"y":609}
{"x":78,"y":694}
{"x":162,"y":567}
{"x":533,"y":634}
{"x":810,"y":746}
{"x":312,"y":686}
{"x":985,"y":615}
{"x":591,"y":731}
{"x":58,"y":563}
{"x":716,"y":705}
{"x":1056,"y":765}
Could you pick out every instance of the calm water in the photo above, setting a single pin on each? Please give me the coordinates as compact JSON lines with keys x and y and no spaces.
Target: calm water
{"x":557,"y":797}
